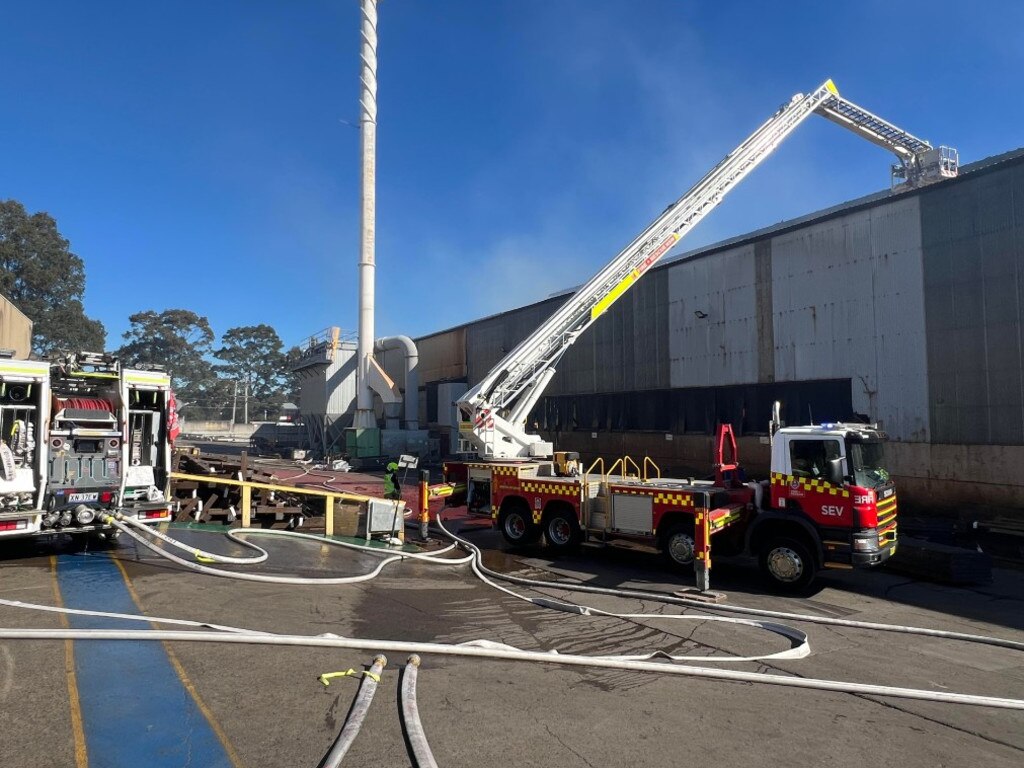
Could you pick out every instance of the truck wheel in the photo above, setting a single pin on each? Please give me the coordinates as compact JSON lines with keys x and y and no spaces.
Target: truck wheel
{"x":787,"y":564}
{"x":517,"y":526}
{"x":679,"y":546}
{"x":561,"y":530}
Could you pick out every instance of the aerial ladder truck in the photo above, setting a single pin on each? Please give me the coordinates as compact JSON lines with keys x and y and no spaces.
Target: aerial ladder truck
{"x":829,"y":501}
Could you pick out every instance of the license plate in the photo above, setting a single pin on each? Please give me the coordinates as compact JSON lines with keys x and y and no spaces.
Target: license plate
{"x":83,"y":497}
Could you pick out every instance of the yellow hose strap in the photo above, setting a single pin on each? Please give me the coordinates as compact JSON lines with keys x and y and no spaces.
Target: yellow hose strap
{"x":203,"y":559}
{"x":326,"y":677}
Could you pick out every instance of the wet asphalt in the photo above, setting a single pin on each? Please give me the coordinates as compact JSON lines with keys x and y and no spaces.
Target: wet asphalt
{"x":268,"y":708}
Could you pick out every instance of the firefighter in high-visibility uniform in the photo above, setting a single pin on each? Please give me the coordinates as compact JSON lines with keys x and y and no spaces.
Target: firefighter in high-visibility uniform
{"x":392,"y":485}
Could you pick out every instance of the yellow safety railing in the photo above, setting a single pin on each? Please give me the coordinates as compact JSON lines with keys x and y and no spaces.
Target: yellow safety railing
{"x":247,"y":486}
{"x":626,"y":462}
{"x":649,"y":460}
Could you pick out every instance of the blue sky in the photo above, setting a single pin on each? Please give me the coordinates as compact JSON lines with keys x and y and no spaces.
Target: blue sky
{"x":200,"y":154}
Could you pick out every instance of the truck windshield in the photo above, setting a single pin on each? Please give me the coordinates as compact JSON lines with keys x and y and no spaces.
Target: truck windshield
{"x":868,"y":461}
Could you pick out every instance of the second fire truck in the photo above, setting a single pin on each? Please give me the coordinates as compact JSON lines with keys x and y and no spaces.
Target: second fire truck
{"x":81,"y":437}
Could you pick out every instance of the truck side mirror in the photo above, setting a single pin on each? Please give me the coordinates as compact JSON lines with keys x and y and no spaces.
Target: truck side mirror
{"x":834,"y":471}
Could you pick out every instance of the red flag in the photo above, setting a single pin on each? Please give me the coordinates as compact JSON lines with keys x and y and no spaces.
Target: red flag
{"x":173,"y":426}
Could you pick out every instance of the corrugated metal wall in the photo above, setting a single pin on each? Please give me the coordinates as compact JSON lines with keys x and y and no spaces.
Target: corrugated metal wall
{"x":15,"y":330}
{"x":626,"y":349}
{"x":838,"y":298}
{"x":906,"y":308}
{"x":847,"y":302}
{"x":443,"y":356}
{"x":713,"y":318}
{"x":974,"y":299}
{"x":916,"y":298}
{"x":331,"y":392}
{"x":490,"y":339}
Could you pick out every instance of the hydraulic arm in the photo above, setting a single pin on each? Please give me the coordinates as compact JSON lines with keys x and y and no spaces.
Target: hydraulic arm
{"x":496,"y":409}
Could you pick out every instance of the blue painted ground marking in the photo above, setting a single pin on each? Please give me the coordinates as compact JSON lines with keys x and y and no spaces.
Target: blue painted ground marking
{"x":135,"y":710}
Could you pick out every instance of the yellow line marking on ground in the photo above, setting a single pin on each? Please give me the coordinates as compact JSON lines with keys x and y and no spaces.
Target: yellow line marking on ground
{"x":185,"y":681}
{"x":74,"y":702}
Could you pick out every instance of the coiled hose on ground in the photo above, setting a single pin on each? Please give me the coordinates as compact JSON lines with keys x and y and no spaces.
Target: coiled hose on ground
{"x":490,"y":650}
{"x":486,"y":574}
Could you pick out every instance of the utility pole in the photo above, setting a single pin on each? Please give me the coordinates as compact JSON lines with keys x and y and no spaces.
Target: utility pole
{"x":247,"y":397}
{"x":364,"y":416}
{"x":234,"y":403}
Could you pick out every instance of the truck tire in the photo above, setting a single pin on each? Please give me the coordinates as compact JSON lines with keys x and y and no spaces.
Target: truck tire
{"x":678,"y":546}
{"x":517,"y":526}
{"x":786,"y":563}
{"x":561,"y":529}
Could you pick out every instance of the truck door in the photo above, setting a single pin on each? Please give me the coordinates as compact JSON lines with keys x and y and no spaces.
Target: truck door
{"x":825,"y":504}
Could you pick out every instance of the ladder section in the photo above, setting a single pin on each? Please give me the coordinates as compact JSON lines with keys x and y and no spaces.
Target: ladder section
{"x":496,"y":409}
{"x":872,"y":127}
{"x":920,"y":163}
{"x":525,"y":366}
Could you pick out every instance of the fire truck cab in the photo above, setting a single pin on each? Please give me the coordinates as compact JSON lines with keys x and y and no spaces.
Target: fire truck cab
{"x":833,"y":476}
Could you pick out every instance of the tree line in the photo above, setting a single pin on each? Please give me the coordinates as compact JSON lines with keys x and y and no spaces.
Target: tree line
{"x":42,"y":277}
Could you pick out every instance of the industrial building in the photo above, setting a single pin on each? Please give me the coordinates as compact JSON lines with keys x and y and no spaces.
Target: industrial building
{"x":901,"y":308}
{"x":15,"y":330}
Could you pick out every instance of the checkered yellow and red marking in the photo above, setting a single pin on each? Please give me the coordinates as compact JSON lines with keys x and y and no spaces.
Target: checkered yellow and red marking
{"x":811,"y":485}
{"x":550,"y":489}
{"x":500,"y":469}
{"x":675,"y":500}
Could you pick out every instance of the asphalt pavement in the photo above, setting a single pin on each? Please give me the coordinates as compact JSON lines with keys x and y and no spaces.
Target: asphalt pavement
{"x":62,"y":704}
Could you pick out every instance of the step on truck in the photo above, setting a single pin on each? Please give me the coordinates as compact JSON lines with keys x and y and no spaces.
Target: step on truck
{"x":81,"y":437}
{"x":828,"y":503}
{"x":832,"y":506}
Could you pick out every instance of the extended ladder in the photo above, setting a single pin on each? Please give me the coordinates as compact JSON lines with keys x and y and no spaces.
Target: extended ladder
{"x":495,"y":410}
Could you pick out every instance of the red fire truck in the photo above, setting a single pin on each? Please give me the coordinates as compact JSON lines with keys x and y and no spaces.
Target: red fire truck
{"x":829,"y":503}
{"x":80,"y":437}
{"x":829,"y":500}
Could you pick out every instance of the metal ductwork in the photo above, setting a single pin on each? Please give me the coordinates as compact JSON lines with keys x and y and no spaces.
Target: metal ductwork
{"x":412,"y":378}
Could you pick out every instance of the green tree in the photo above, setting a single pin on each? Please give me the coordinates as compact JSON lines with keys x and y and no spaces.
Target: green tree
{"x":46,"y":281}
{"x":252,"y":354}
{"x":181,"y":341}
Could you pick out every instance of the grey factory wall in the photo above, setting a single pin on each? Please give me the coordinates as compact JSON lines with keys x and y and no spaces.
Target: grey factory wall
{"x":490,"y":339}
{"x":847,"y":302}
{"x":828,"y":317}
{"x":974,"y":297}
{"x":625,"y":350}
{"x":904,"y":308}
